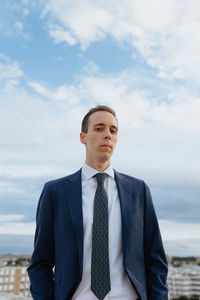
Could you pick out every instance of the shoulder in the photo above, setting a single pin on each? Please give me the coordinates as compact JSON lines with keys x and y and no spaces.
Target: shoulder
{"x":138,"y":186}
{"x":136,"y":183}
{"x":59,"y":182}
{"x":128,"y":178}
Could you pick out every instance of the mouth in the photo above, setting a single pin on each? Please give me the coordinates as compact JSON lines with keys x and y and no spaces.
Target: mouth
{"x":106,"y":146}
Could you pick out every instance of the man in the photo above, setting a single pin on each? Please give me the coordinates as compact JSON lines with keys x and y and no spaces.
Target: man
{"x":97,"y":235}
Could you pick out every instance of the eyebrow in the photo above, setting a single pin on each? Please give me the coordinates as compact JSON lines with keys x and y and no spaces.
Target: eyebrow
{"x":102,"y":124}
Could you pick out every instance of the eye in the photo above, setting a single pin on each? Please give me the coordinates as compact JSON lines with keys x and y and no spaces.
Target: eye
{"x":113,"y":131}
{"x":98,"y":128}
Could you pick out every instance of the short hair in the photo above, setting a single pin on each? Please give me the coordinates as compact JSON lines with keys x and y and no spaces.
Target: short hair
{"x":84,"y":125}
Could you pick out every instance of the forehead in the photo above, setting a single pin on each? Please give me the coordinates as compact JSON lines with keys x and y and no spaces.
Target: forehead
{"x":103,"y":117}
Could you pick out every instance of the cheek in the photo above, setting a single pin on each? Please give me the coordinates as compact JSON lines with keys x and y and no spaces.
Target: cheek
{"x":91,"y":143}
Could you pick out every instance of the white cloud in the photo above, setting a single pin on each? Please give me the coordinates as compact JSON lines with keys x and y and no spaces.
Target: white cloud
{"x":9,"y":70}
{"x":26,"y":171}
{"x":10,"y":218}
{"x":86,"y":24}
{"x":40,"y":89}
{"x":158,"y":133}
{"x":8,"y":187}
{"x":154,"y":130}
{"x":60,"y":35}
{"x":13,"y":224}
{"x":174,"y":231}
{"x":17,"y":228}
{"x":67,"y":95}
{"x":157,"y":138}
{"x":165,"y":32}
{"x":186,"y":247}
{"x":181,"y":239}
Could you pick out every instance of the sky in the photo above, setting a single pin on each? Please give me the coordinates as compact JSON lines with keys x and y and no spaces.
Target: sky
{"x":60,"y":58}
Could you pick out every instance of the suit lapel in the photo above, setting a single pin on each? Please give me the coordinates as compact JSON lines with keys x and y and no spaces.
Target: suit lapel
{"x":75,"y":208}
{"x":125,"y":197}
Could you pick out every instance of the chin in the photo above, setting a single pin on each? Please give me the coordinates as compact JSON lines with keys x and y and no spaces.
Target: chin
{"x":104,"y":158}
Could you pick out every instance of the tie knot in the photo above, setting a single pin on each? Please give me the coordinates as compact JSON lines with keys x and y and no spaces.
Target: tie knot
{"x":100,"y":177}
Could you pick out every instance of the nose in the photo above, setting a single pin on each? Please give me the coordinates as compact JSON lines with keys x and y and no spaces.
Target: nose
{"x":107,"y":134}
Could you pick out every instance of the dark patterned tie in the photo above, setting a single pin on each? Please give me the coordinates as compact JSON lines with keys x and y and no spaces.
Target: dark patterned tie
{"x":100,"y":271}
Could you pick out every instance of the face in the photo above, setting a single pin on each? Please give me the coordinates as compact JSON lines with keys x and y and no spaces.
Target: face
{"x":101,"y":138}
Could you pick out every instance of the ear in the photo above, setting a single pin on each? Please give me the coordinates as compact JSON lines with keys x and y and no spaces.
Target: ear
{"x":83,"y":137}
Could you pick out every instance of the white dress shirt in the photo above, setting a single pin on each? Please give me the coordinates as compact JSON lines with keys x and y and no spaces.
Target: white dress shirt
{"x":121,"y":287}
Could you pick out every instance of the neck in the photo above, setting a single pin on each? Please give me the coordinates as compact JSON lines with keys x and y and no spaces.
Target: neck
{"x":99,"y":166}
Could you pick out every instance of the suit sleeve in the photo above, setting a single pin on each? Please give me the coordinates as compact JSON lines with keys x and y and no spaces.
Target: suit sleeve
{"x":155,"y":259}
{"x":42,"y":262}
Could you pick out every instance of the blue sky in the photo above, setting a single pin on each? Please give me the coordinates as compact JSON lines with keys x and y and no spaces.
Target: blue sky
{"x":60,"y":58}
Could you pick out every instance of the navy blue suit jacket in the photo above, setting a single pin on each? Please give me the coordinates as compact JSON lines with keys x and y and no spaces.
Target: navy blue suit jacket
{"x":57,"y":261}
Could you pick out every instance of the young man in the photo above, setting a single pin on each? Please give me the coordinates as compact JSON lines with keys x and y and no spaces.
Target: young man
{"x":97,"y":235}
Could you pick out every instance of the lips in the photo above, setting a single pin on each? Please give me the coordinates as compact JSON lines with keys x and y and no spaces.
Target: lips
{"x":106,"y":146}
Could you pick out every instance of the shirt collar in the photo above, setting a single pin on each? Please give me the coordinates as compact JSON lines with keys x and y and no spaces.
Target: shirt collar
{"x":89,"y":172}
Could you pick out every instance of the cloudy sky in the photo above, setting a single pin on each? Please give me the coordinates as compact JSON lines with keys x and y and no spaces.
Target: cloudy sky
{"x":60,"y":58}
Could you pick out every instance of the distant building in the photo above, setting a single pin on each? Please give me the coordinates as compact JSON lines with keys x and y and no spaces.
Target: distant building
{"x":177,"y":261}
{"x":6,"y":296}
{"x":184,"y":281}
{"x":14,"y":260}
{"x":14,"y":280}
